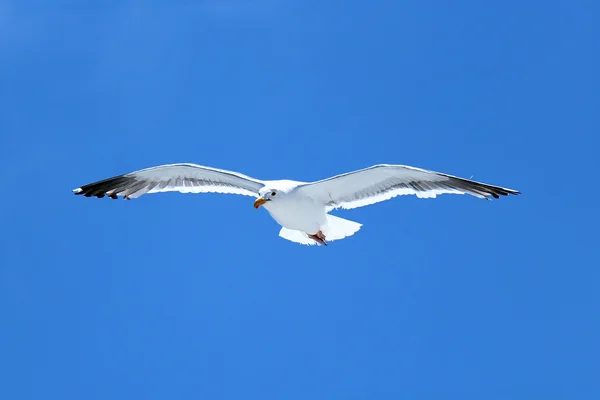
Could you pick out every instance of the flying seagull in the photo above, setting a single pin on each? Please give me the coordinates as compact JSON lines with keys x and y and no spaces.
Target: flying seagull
{"x":301,"y":208}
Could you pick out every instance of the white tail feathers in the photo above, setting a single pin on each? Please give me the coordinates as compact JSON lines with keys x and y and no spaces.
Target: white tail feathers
{"x":339,"y":228}
{"x":335,"y":229}
{"x":296,"y":236}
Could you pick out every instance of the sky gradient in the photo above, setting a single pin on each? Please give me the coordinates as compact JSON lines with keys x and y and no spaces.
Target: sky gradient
{"x":196,"y":296}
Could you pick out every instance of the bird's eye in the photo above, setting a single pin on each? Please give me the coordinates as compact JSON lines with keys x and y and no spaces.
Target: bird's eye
{"x":273,"y":193}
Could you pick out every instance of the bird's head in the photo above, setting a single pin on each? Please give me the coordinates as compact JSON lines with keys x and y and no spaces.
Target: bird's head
{"x":266,"y":195}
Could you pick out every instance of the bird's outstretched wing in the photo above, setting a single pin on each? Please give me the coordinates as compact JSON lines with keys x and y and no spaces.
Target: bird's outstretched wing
{"x":184,"y":178}
{"x":383,"y":182}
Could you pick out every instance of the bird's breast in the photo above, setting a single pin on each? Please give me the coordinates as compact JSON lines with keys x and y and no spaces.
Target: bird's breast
{"x":299,"y":214}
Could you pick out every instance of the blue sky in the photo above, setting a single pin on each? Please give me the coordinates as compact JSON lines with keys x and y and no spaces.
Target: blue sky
{"x":182,"y":296}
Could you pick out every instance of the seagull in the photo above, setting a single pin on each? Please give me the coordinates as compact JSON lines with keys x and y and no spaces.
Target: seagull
{"x":301,"y":208}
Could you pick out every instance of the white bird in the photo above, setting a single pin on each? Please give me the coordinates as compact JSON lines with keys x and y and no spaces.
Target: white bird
{"x":301,"y":208}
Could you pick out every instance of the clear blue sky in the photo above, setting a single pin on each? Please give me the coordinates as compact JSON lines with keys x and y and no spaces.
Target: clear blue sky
{"x":196,"y":296}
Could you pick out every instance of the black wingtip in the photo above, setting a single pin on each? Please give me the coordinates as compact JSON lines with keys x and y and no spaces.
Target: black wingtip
{"x":107,"y":187}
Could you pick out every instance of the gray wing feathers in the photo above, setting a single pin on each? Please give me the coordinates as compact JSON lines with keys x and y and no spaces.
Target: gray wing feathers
{"x":184,"y":178}
{"x":383,"y":182}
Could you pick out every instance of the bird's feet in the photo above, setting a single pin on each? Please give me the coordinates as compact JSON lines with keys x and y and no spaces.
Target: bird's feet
{"x":318,"y":237}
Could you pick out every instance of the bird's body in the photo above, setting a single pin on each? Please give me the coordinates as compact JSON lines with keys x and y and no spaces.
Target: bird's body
{"x":307,"y":216}
{"x":301,"y":208}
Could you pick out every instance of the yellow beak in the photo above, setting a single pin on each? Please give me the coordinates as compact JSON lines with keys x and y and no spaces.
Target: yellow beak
{"x":259,"y":202}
